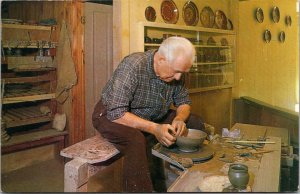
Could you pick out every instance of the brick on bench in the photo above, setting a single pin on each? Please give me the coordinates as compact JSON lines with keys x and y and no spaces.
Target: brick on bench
{"x":86,"y":157}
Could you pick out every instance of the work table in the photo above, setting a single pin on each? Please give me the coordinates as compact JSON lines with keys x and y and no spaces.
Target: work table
{"x":264,"y":169}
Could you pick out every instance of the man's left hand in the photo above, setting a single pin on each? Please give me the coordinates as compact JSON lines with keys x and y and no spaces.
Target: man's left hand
{"x":180,"y":127}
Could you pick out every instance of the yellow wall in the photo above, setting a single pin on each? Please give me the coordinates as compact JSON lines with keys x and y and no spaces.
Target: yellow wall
{"x":133,"y":11}
{"x":268,"y":71}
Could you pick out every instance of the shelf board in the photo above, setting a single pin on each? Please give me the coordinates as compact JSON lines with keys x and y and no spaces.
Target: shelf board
{"x":26,"y":96}
{"x":204,"y":89}
{"x":40,"y":78}
{"x":152,"y":44}
{"x":28,"y":27}
{"x":32,"y":139}
{"x":24,"y":116}
{"x":214,"y":63}
{"x":195,"y":45}
{"x":35,"y":69}
{"x":24,"y":45}
{"x":212,"y":46}
{"x":187,"y":28}
{"x":205,"y":74}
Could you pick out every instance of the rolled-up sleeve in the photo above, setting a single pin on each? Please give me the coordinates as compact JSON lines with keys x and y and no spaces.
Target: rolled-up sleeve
{"x":181,"y":96}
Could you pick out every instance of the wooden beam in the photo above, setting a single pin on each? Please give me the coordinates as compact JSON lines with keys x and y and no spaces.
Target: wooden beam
{"x":76,"y":28}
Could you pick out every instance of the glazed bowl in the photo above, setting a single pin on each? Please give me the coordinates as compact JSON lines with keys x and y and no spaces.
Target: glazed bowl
{"x":191,"y":142}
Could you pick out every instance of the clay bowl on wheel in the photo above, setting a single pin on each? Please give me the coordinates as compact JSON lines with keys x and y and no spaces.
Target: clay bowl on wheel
{"x":192,"y":141}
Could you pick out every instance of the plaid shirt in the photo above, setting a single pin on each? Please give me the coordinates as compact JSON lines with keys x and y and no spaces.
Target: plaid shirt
{"x":135,"y":88}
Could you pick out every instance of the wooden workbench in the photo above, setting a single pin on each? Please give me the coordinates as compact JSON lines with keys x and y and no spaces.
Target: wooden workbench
{"x":264,"y":170}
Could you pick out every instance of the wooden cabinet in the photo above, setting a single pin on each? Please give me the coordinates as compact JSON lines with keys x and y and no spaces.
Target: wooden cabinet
{"x":28,"y":83}
{"x":214,"y":64}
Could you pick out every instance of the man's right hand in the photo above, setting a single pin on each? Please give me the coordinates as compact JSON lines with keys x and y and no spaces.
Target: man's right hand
{"x":165,"y":134}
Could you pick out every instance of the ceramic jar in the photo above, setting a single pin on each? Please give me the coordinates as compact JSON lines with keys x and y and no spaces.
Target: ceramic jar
{"x":238,"y":176}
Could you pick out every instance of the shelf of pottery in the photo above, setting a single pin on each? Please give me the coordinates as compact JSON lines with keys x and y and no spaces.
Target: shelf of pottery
{"x":214,"y":64}
{"x":28,"y":83}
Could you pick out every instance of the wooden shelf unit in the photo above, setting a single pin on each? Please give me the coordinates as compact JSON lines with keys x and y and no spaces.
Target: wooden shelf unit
{"x":26,"y":90}
{"x":214,"y":66}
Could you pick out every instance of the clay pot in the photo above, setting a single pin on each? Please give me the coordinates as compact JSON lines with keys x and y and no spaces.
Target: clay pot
{"x":238,"y":176}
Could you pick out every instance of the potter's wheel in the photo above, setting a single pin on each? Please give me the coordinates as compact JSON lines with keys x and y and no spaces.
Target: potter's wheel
{"x":204,"y":153}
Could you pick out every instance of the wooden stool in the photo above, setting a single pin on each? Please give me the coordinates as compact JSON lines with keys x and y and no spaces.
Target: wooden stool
{"x":86,"y":154}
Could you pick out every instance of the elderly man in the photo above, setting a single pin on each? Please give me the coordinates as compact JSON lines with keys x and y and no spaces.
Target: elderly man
{"x":136,"y":102}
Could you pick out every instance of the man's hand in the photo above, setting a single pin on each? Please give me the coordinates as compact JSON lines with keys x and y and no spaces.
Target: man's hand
{"x":180,"y":127}
{"x":165,"y":134}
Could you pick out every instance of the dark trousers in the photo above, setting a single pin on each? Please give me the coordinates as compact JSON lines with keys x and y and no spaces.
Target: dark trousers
{"x":133,"y":146}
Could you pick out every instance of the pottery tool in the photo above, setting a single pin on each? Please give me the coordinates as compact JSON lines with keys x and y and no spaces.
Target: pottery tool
{"x":246,"y":141}
{"x":181,"y":162}
{"x":254,"y":146}
{"x":264,"y":137}
{"x":247,"y":154}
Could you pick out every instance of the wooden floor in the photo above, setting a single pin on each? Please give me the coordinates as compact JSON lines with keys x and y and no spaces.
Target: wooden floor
{"x":43,"y":177}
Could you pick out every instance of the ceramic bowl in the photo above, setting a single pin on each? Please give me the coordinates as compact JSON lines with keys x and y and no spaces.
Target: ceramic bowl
{"x":192,"y":141}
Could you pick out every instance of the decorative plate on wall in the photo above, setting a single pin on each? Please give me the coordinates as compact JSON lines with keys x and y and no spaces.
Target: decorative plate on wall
{"x":220,"y":20}
{"x":267,"y":36}
{"x":169,"y":12}
{"x":288,"y":20}
{"x":207,"y":17}
{"x":190,"y":14}
{"x":275,"y":14}
{"x":259,"y":15}
{"x":150,"y":14}
{"x":281,"y":36}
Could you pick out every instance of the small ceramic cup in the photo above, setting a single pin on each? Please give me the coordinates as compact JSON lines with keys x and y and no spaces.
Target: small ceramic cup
{"x":238,"y":176}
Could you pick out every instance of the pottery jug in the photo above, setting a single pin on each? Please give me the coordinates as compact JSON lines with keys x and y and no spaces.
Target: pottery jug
{"x":238,"y":176}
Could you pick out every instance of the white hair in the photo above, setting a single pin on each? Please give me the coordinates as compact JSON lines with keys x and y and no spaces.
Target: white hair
{"x":173,"y":47}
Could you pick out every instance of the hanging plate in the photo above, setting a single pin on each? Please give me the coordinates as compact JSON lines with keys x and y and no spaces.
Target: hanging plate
{"x":150,"y":14}
{"x":288,"y":20}
{"x":220,"y":20}
{"x":267,"y":36}
{"x":275,"y":14}
{"x":169,"y":12}
{"x":281,"y":36}
{"x":259,"y":14}
{"x":190,"y":14}
{"x":207,"y":17}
